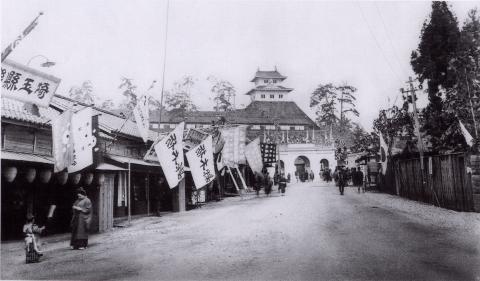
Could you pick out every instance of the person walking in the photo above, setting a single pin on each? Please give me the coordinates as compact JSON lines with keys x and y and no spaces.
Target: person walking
{"x":282,"y":184}
{"x":81,"y":220}
{"x":341,"y":179}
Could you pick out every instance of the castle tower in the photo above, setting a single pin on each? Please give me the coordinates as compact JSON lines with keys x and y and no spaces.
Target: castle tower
{"x":268,"y":86}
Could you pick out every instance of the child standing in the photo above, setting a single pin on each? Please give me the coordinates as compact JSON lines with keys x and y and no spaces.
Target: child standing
{"x":32,"y":251}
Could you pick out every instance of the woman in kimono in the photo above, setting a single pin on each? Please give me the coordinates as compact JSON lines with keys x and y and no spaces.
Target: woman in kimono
{"x":81,"y":219}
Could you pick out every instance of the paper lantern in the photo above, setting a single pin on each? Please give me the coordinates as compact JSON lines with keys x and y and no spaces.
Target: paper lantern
{"x":30,"y":175}
{"x":76,"y":178}
{"x":45,"y":175}
{"x":88,"y":178}
{"x":62,"y":178}
{"x":101,"y":178}
{"x":10,"y":173}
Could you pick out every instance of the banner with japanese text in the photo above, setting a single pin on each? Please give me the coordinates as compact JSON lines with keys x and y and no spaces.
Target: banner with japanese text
{"x":200,"y":159}
{"x":170,"y":155}
{"x":27,"y":84}
{"x":83,"y":140}
{"x":142,"y":117}
{"x":254,"y":155}
{"x":233,"y":152}
{"x":62,"y":141}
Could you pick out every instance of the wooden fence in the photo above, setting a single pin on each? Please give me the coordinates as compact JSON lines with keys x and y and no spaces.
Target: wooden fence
{"x":446,"y":181}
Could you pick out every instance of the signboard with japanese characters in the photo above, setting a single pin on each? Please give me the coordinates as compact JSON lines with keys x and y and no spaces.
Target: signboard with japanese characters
{"x":83,"y":140}
{"x":200,"y":159}
{"x":27,"y":84}
{"x":170,"y":155}
{"x":141,"y":113}
{"x":269,"y":152}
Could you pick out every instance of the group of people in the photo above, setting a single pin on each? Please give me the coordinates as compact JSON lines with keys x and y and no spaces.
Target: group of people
{"x":304,"y":176}
{"x":80,"y":224}
{"x":263,"y":180}
{"x":344,"y":176}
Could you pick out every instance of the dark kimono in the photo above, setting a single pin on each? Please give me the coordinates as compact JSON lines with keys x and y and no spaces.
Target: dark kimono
{"x":81,"y":223}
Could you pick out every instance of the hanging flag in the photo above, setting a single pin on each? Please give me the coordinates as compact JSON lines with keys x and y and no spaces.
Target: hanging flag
{"x":466,"y":134}
{"x":269,"y":152}
{"x":83,"y":140}
{"x":170,"y":155}
{"x":200,"y":159}
{"x":233,"y":152}
{"x":62,"y":141}
{"x":142,"y":118}
{"x":254,"y":155}
{"x":25,"y":32}
{"x":383,"y":154}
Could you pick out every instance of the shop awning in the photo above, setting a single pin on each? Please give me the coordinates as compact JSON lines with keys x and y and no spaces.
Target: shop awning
{"x":16,"y":156}
{"x":123,"y":159}
{"x":109,"y":167}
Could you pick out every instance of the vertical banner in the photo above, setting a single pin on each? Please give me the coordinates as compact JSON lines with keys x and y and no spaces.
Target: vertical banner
{"x":170,"y":155}
{"x":269,"y":152}
{"x":383,"y":154}
{"x":234,"y":148}
{"x":254,"y":155}
{"x":62,"y":141}
{"x":83,"y":140}
{"x":200,"y":159}
{"x":142,"y":117}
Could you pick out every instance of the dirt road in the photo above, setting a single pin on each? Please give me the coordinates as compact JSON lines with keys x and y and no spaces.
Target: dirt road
{"x":312,"y":233}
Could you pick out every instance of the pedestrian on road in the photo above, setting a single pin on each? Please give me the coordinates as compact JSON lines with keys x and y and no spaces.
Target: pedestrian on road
{"x":282,"y":184}
{"x":81,"y":220}
{"x":258,"y":183}
{"x":296,"y":175}
{"x":267,"y":182}
{"x":32,"y":251}
{"x":341,"y":179}
{"x":159,"y":194}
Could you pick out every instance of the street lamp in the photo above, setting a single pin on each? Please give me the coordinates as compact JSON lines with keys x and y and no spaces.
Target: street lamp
{"x":47,"y":63}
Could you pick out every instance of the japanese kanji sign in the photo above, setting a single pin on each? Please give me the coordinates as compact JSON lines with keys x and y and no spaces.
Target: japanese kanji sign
{"x":234,"y":148}
{"x":62,"y":140}
{"x":27,"y":84}
{"x":200,"y":159}
{"x":254,"y":155}
{"x":269,"y":153}
{"x":83,"y":140}
{"x":142,"y":118}
{"x":170,"y":155}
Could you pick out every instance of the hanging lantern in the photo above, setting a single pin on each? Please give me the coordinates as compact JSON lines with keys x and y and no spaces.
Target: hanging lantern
{"x":10,"y":173}
{"x":45,"y":175}
{"x":30,"y":175}
{"x":88,"y":178}
{"x":62,"y":178}
{"x":101,"y":178}
{"x":76,"y":178}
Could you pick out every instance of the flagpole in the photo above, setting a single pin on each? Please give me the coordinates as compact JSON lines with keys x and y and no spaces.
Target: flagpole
{"x":25,"y":32}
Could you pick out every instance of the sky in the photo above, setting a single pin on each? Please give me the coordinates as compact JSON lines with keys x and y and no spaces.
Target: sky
{"x":364,"y":44}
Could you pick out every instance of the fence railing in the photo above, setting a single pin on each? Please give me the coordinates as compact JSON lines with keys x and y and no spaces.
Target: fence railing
{"x":445,"y":182}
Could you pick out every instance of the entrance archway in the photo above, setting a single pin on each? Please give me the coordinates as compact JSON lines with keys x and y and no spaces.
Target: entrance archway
{"x":323,"y":164}
{"x":302,"y":167}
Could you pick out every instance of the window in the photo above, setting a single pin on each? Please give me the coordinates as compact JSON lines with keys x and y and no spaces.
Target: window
{"x":190,"y":126}
{"x":280,"y":96}
{"x":255,"y":127}
{"x":270,"y":127}
{"x":262,"y":96}
{"x":272,"y":96}
{"x":265,"y":81}
{"x":274,"y":81}
{"x":299,"y":128}
{"x":154,"y":125}
{"x":285,"y":128}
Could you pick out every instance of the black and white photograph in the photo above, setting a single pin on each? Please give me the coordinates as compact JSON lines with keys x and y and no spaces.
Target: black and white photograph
{"x":240,"y":140}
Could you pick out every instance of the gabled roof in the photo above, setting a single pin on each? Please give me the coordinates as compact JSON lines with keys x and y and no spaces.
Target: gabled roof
{"x":256,"y":113}
{"x":268,"y":75}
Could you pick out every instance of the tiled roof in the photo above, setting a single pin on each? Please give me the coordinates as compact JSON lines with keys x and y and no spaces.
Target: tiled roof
{"x":14,"y":110}
{"x":269,"y":88}
{"x":268,"y":75}
{"x":256,"y":113}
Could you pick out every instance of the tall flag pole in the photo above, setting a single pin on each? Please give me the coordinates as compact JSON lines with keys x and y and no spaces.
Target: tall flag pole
{"x":15,"y":43}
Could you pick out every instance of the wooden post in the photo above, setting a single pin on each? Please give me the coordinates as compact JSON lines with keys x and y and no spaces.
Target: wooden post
{"x":147,"y":192}
{"x":129,"y":201}
{"x":181,"y":196}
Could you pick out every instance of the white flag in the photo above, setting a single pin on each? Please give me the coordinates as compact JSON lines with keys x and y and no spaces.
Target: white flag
{"x":83,"y":140}
{"x":62,"y":141}
{"x":383,"y":154}
{"x":200,"y":159}
{"x":170,"y":155}
{"x":466,"y":134}
{"x":254,"y":155}
{"x":233,"y":152}
{"x":142,"y":117}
